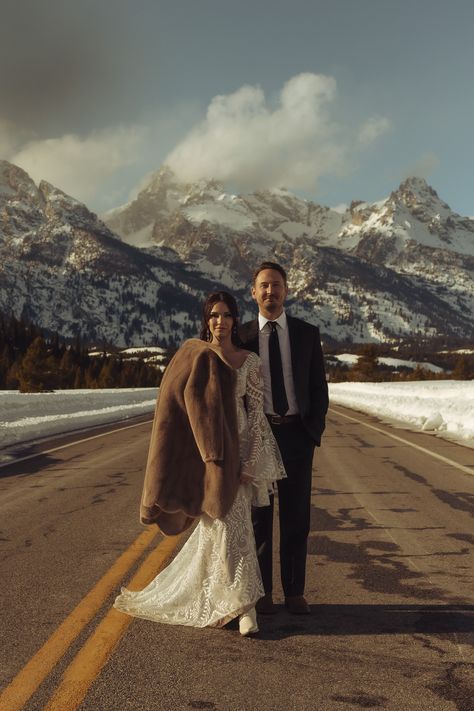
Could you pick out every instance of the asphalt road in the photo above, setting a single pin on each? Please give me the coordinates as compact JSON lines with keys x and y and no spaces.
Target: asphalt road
{"x":390,"y":582}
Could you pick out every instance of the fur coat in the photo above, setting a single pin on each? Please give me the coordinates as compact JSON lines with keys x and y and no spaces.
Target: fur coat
{"x":194,"y":461}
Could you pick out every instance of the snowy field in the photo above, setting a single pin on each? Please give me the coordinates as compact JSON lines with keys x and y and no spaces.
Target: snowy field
{"x":351,"y":359}
{"x":26,"y":417}
{"x":445,"y":407}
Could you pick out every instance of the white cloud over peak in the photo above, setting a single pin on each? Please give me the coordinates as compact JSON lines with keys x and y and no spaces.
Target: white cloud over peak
{"x":249,"y":142}
{"x":341,"y":208}
{"x":9,"y":139}
{"x":424,"y":166}
{"x":372,"y":129}
{"x":80,"y":165}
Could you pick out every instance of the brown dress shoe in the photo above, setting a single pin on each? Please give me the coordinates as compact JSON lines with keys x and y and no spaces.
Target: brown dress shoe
{"x":265,"y":605}
{"x":297,"y":605}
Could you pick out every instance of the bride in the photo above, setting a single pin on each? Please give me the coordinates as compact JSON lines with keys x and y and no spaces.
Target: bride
{"x":215,"y":577}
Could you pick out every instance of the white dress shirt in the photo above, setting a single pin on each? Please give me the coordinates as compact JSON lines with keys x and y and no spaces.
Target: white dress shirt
{"x":264,"y":331}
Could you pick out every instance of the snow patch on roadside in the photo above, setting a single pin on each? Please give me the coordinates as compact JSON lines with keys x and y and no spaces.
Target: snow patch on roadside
{"x":445,"y":407}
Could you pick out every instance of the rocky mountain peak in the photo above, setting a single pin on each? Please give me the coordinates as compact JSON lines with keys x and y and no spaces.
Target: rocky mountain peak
{"x":21,"y":203}
{"x":60,"y":206}
{"x":52,"y":193}
{"x":413,"y":217}
{"x":416,"y":191}
{"x":165,"y":181}
{"x":159,"y":181}
{"x":16,"y":185}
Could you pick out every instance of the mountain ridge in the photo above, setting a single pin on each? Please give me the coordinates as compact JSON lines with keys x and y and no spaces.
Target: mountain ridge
{"x":137,"y":275}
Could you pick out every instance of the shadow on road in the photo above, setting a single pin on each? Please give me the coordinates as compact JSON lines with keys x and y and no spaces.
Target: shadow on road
{"x":370,"y":619}
{"x":36,"y":464}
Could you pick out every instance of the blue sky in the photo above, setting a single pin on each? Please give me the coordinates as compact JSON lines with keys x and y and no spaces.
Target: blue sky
{"x":336,"y":100}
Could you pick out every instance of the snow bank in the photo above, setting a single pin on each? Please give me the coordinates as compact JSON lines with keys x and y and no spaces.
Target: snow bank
{"x":32,"y":416}
{"x":443,"y":406}
{"x":351,"y":359}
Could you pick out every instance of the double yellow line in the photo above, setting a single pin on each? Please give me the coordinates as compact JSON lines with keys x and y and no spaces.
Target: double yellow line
{"x":94,"y":654}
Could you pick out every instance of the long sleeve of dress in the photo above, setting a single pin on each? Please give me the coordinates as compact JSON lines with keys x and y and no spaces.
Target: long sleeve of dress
{"x":263,"y":461}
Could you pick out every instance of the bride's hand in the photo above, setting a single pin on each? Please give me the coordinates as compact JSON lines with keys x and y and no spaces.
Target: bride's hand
{"x":245,"y":477}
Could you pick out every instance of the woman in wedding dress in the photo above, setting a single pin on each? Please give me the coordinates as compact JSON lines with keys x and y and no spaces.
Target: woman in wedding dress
{"x":215,"y":577}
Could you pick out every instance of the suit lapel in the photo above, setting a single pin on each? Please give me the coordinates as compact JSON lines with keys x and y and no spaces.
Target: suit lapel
{"x":251,"y":337}
{"x":293,"y":341}
{"x":294,"y":347}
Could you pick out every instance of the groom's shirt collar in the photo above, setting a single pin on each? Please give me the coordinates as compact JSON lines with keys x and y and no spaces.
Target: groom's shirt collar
{"x":281,"y":321}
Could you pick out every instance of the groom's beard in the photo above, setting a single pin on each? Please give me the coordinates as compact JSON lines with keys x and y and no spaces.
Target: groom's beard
{"x":273,"y":307}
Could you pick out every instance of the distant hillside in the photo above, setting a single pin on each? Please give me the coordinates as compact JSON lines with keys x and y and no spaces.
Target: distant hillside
{"x":33,"y":362}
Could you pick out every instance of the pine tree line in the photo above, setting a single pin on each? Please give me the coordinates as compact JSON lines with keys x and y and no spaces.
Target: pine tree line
{"x":32,"y":362}
{"x":369,"y":369}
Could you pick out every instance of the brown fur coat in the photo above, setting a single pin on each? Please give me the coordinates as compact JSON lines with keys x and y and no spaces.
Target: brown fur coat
{"x":193,"y":461}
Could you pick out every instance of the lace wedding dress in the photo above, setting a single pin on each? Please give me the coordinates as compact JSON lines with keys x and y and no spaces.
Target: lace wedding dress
{"x":215,"y":577}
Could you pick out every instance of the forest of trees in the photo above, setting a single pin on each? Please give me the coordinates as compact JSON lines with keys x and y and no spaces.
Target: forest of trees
{"x":457,"y":366}
{"x":32,"y":362}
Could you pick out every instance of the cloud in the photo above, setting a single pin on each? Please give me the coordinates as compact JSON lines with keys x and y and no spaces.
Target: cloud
{"x":372,"y":129}
{"x":10,"y":138}
{"x":80,"y":165}
{"x":423,"y":167}
{"x":99,"y":167}
{"x":250,"y":143}
{"x":341,"y":208}
{"x":247,"y":140}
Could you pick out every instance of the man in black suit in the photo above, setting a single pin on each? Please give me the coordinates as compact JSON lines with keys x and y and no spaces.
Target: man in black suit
{"x":295,"y":402}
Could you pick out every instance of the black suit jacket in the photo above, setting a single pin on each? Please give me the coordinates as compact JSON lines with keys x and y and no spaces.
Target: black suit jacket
{"x":308,"y":370}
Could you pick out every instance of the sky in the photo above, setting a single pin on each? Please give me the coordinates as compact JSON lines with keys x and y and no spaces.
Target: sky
{"x":336,"y":100}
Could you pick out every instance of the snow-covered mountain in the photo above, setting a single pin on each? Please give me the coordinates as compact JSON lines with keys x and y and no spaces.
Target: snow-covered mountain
{"x":397,"y":267}
{"x":64,"y":270}
{"x":394,"y":268}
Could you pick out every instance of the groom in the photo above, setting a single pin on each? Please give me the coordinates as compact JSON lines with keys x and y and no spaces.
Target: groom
{"x":295,"y":402}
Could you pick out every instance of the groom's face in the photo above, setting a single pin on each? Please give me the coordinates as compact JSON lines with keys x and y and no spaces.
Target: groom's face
{"x":270,"y":291}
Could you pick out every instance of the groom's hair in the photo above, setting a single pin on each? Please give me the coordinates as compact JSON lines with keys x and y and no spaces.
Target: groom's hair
{"x":269,"y":265}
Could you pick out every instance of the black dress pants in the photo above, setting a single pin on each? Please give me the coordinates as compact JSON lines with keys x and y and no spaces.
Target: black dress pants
{"x":294,"y":499}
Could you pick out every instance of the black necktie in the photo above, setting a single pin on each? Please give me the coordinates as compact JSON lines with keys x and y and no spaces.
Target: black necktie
{"x":280,"y":402}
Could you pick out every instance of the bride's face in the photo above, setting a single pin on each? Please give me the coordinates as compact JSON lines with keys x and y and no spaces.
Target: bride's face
{"x":220,"y":323}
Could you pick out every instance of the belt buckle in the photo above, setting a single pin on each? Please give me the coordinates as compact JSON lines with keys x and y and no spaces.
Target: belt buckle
{"x":276,"y":419}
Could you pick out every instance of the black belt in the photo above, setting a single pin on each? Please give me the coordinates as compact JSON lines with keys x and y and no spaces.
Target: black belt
{"x":282,"y":419}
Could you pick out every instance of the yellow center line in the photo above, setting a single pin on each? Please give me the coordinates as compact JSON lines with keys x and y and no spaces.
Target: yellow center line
{"x":26,"y":682}
{"x":461,"y":467}
{"x":93,"y":656}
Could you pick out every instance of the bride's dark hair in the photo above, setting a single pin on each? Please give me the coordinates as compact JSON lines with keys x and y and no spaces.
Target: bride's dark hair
{"x":214,"y":298}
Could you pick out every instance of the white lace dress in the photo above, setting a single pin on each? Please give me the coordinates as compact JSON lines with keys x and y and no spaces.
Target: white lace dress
{"x":215,"y":577}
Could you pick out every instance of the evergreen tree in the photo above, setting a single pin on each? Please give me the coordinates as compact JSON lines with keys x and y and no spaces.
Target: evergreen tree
{"x":109,"y":374}
{"x":12,"y":381}
{"x":366,"y":368}
{"x":419,"y":373}
{"x":6,"y":360}
{"x":33,"y":362}
{"x":78,"y":378}
{"x":463,"y":370}
{"x":34,"y":367}
{"x":66,"y":369}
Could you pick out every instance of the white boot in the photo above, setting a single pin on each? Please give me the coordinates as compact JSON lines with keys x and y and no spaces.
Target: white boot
{"x":248,"y":623}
